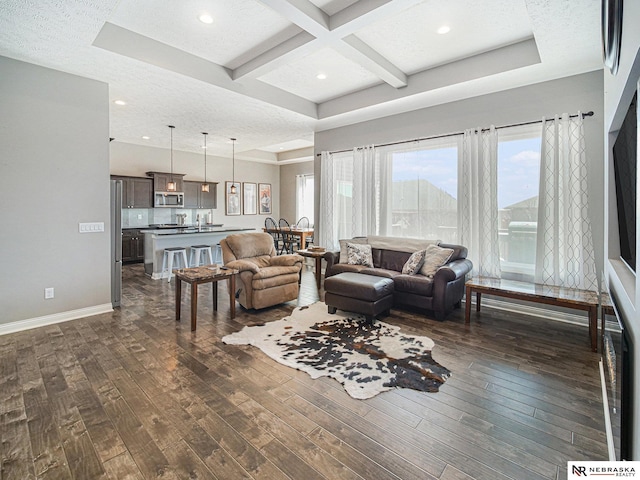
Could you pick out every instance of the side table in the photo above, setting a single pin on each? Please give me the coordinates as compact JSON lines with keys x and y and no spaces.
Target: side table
{"x":318,"y":255}
{"x":205,"y":274}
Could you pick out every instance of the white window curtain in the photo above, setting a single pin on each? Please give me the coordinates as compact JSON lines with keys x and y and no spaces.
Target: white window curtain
{"x":564,"y":245}
{"x":352,"y":186}
{"x":366,"y":187}
{"x":304,"y":197}
{"x":327,"y":234}
{"x":478,"y":200}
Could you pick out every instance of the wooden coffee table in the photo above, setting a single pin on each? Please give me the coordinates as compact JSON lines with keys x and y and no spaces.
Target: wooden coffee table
{"x":318,"y":255}
{"x":205,"y":274}
{"x":584,"y":300}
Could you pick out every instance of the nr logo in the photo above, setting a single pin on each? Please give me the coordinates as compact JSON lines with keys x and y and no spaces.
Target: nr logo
{"x":579,"y":471}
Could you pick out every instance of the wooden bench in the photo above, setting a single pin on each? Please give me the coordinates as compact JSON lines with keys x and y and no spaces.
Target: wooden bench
{"x":585,"y":300}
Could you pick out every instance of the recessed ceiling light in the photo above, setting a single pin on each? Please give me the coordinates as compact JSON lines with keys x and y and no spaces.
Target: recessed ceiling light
{"x":120,"y":102}
{"x":444,"y":29}
{"x":144,"y":137}
{"x":321,"y":76}
{"x":206,"y":18}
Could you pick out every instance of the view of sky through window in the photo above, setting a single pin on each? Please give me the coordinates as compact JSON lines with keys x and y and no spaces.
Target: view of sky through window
{"x":518,"y":170}
{"x":438,"y":166}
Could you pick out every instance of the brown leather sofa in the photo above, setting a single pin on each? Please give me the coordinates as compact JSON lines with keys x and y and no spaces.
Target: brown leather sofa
{"x":440,"y":294}
{"x":266,"y":279}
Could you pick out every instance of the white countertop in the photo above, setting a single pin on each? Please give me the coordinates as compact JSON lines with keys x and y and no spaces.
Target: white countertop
{"x":194,"y":230}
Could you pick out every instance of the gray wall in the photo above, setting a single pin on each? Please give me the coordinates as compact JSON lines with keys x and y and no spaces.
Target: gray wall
{"x":572,"y":94}
{"x":288,"y":187}
{"x":619,"y":90}
{"x":54,"y":165}
{"x":136,"y":160}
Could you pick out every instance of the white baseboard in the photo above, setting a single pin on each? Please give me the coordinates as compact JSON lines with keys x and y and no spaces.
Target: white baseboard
{"x":30,"y":323}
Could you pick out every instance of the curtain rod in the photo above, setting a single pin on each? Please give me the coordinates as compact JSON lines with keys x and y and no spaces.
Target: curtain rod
{"x":434,"y":137}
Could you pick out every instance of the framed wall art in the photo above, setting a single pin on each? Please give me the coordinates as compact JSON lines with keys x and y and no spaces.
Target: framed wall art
{"x":249,"y":198}
{"x":232,"y":200}
{"x":264,"y":191}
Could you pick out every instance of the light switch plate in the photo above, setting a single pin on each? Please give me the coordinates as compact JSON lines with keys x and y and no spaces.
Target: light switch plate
{"x":93,"y":227}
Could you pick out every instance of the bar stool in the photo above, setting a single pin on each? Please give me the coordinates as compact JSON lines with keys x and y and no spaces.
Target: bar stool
{"x":169,"y":254}
{"x":196,"y":254}
{"x":218,"y":255}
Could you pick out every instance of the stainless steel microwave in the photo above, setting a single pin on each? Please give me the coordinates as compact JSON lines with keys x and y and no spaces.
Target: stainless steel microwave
{"x":169,"y":199}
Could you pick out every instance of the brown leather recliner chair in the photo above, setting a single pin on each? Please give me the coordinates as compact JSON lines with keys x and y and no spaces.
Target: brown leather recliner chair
{"x":266,"y":279}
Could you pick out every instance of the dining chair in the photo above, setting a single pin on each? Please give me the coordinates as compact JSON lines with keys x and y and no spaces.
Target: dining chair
{"x":270,"y":224}
{"x":303,"y":222}
{"x":290,"y":241}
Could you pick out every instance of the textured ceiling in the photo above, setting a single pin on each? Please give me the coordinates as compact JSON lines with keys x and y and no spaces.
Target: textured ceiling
{"x":252,"y":73}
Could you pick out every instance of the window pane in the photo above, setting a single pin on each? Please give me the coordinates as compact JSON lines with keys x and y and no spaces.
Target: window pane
{"x":424,"y":193}
{"x":304,"y":197}
{"x":518,"y":185}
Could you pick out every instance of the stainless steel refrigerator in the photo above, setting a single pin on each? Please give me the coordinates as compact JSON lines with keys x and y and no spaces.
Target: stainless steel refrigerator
{"x":116,"y":242}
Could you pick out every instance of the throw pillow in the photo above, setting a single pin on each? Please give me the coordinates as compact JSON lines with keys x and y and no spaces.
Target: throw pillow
{"x":414,"y":262}
{"x":343,"y":246}
{"x":359,"y":255}
{"x":434,"y":258}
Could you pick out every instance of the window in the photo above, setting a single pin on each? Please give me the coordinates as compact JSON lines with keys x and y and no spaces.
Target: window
{"x":304,"y":197}
{"x":518,"y":186}
{"x":424,"y":190}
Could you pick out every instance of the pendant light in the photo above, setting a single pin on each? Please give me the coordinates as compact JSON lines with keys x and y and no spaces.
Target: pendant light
{"x":233,"y":190}
{"x":171,"y":186}
{"x":205,"y":186}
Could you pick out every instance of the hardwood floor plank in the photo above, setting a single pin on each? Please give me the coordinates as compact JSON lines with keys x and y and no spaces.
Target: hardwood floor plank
{"x":122,"y":467}
{"x":350,"y":456}
{"x":10,"y":388}
{"x":15,"y":449}
{"x":186,"y":463}
{"x":300,"y":445}
{"x":382,"y":451}
{"x":289,"y":463}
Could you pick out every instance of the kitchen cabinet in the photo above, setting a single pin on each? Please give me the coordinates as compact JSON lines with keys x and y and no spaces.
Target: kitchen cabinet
{"x":132,"y":245}
{"x":161,"y":179}
{"x":136,"y":192}
{"x":194,"y":197}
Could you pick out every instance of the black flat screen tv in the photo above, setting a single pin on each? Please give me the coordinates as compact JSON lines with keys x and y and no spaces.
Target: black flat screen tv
{"x":624,"y":167}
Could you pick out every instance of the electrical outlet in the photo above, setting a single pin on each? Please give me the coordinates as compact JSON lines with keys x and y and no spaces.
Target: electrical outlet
{"x":48,"y":293}
{"x":139,"y":216}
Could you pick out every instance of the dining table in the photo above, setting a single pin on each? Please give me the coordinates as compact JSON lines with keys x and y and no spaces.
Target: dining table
{"x":301,"y":233}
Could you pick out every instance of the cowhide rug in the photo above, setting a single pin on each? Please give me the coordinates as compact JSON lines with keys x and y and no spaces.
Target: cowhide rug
{"x":366,"y":359}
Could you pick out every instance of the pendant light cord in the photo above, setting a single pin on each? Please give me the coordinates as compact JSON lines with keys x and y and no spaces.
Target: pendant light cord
{"x":205,"y":156}
{"x":233,"y":156}
{"x":171,"y":127}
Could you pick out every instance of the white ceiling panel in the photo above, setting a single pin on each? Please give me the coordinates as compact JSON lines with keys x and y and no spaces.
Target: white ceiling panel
{"x":238,"y":27}
{"x":300,"y":77}
{"x":410,"y":40}
{"x":331,"y":7}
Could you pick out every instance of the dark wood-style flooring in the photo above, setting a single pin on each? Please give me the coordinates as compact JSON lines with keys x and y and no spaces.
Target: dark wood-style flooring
{"x":135,"y":395}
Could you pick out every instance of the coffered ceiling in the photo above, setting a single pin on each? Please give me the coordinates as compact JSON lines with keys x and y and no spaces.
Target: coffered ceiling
{"x":253,"y":72}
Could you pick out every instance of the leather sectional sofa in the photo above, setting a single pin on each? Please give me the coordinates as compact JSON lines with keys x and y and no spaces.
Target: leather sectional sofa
{"x":439,"y":294}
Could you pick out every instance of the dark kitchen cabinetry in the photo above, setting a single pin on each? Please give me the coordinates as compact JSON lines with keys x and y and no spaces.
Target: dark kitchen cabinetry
{"x":161,"y":179}
{"x":132,"y":245}
{"x":136,"y":192}
{"x":194,"y":197}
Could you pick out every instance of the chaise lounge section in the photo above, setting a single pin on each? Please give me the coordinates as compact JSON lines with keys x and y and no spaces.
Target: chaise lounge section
{"x":439,"y":291}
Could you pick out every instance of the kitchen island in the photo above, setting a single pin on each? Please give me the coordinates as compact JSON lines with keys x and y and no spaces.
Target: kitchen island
{"x":155,"y":241}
